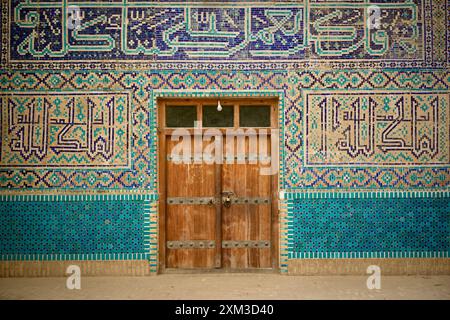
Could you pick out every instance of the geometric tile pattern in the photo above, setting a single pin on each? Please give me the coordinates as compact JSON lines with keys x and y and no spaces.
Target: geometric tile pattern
{"x":81,"y":228}
{"x":369,"y":227}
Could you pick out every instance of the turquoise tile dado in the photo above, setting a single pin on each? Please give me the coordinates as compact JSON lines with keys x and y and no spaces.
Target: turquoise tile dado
{"x":369,"y":227}
{"x":45,"y":229}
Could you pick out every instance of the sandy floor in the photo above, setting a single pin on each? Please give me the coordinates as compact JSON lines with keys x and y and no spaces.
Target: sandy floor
{"x":227,"y":286}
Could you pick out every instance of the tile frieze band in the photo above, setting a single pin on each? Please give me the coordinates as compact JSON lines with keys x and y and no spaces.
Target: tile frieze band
{"x":118,"y":34}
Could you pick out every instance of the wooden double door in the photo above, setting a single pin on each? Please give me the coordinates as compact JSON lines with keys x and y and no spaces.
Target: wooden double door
{"x":219,"y":214}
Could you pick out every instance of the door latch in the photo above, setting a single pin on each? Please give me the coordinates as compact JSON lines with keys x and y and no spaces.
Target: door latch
{"x":226,"y":198}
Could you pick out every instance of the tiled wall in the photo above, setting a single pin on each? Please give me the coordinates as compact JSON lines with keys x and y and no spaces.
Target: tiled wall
{"x":71,"y":230}
{"x":386,"y":227}
{"x":79,"y":227}
{"x":361,"y":111}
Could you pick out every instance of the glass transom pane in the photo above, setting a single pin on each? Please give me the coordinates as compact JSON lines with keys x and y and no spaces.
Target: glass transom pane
{"x":181,"y":116}
{"x":254,"y":116}
{"x":219,"y":119}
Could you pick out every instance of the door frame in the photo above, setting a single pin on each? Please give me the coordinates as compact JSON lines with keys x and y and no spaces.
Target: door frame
{"x":161,"y":157}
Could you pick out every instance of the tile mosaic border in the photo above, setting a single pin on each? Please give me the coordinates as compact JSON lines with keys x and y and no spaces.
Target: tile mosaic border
{"x":284,"y":236}
{"x":77,"y":197}
{"x":366,"y":255}
{"x":365,"y":194}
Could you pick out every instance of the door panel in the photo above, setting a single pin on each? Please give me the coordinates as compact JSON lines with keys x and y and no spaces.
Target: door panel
{"x":188,"y":223}
{"x":248,"y":224}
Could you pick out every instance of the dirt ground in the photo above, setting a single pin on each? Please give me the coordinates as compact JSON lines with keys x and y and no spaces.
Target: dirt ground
{"x":228,"y":286}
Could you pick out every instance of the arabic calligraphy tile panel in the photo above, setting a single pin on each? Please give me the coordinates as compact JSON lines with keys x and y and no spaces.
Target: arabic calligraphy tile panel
{"x":377,"y":128}
{"x":329,"y":33}
{"x":89,"y":129}
{"x":340,"y":31}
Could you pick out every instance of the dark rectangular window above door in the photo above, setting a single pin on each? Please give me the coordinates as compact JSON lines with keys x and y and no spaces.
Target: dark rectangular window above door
{"x":254,"y":116}
{"x":233,"y":113}
{"x":181,"y":116}
{"x":219,"y":119}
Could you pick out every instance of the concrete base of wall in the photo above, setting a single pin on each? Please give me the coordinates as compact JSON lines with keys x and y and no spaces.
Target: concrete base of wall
{"x":416,"y":266}
{"x":88,"y":268}
{"x":315,"y":267}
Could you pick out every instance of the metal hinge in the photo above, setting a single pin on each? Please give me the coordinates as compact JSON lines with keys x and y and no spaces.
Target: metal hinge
{"x":191,"y":244}
{"x":191,"y":200}
{"x":224,"y":159}
{"x":213,"y":200}
{"x":242,"y":200}
{"x":246,"y":244}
